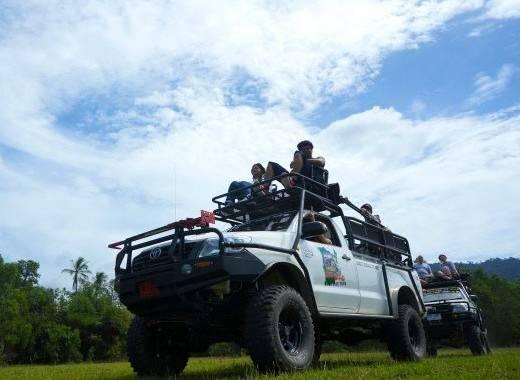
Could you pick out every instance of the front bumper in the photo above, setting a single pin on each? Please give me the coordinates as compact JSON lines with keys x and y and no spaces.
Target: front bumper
{"x":179,"y":291}
{"x":450,"y":325}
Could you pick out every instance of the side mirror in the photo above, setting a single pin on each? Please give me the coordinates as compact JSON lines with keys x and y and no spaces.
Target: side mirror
{"x":313,"y":229}
{"x":473,"y":297}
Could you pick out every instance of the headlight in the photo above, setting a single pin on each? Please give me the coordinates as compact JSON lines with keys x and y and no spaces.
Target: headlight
{"x":459,"y":307}
{"x":210,"y":247}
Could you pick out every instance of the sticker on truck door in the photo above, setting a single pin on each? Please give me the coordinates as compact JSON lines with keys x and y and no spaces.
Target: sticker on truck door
{"x":333,"y":275}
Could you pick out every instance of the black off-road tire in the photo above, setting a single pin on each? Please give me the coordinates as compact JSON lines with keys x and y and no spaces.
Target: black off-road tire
{"x":279,"y":331}
{"x":477,"y":340}
{"x":318,"y":343}
{"x":406,"y":338}
{"x":155,"y":353}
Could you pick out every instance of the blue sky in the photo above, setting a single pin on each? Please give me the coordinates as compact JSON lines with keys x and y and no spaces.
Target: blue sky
{"x":114,"y":117}
{"x":438,"y":77}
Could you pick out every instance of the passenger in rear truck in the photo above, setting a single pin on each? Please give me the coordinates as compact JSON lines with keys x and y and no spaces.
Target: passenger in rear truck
{"x":423,"y":270}
{"x":448,"y":270}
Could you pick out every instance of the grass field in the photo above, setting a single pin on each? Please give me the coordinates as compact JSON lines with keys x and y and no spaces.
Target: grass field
{"x":450,"y":364}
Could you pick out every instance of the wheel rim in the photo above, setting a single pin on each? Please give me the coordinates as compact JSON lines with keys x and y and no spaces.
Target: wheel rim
{"x":414,"y":335}
{"x":290,"y":330}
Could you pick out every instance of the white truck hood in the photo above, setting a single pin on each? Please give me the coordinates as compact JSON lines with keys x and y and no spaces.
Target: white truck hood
{"x":278,"y":239}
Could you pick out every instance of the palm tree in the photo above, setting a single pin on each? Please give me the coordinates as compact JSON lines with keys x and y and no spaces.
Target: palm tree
{"x":78,"y":270}
{"x":99,"y":282}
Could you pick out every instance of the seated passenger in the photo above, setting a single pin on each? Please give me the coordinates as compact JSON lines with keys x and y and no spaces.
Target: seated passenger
{"x":444,"y":273}
{"x":309,"y":218}
{"x":423,"y":270}
{"x":366,"y":211}
{"x":239,"y":190}
{"x":448,"y":270}
{"x":375,"y":220}
{"x":302,"y":163}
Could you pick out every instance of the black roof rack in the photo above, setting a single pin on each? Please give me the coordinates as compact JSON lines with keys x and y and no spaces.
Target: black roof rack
{"x":276,"y":201}
{"x":319,"y":197}
{"x":443,"y":284}
{"x":440,"y":283}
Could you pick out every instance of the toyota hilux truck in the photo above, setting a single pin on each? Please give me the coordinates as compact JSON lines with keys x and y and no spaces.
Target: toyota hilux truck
{"x":453,"y":318}
{"x":267,"y":284}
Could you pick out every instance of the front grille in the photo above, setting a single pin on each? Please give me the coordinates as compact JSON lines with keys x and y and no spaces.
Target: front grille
{"x":441,"y":308}
{"x":145,"y":261}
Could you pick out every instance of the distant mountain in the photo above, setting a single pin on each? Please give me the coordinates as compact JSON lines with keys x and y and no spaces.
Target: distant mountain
{"x":506,"y":268}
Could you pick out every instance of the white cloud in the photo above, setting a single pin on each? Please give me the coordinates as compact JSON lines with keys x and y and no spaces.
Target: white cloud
{"x":182,"y":97}
{"x":502,"y":9}
{"x":448,"y":184}
{"x":298,"y":53}
{"x":484,"y":28}
{"x":487,"y":87}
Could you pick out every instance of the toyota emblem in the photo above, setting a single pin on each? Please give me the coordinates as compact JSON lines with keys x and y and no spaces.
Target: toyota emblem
{"x":155,"y":253}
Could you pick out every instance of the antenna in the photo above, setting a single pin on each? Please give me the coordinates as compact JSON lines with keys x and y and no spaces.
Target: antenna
{"x":174,"y":192}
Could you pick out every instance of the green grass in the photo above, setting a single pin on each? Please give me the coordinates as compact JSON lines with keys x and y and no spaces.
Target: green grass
{"x":450,"y":364}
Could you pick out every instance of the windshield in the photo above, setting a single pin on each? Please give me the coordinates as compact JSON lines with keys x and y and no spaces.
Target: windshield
{"x":442,"y":294}
{"x":278,"y":222}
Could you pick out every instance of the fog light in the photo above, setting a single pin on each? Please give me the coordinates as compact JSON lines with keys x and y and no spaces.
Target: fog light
{"x":186,"y":269}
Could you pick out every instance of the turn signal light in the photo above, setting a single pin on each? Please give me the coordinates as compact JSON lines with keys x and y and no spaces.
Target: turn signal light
{"x":204,"y":264}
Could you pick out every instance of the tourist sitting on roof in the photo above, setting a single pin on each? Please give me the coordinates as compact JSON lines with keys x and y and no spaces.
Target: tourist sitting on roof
{"x":242,"y":190}
{"x":309,"y":218}
{"x":302,"y":163}
{"x":448,"y":270}
{"x":423,"y":270}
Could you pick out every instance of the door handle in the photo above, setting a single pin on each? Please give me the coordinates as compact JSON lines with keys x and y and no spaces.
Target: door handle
{"x":345,"y":257}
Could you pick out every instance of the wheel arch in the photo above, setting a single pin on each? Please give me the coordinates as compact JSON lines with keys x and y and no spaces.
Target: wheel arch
{"x":288,"y":274}
{"x":406,"y":296}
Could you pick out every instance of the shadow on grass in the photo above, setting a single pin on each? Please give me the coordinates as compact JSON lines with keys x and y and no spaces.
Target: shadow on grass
{"x":458,"y":354}
{"x":234,"y":370}
{"x":348,"y":362}
{"x":245,"y":369}
{"x":239,"y":370}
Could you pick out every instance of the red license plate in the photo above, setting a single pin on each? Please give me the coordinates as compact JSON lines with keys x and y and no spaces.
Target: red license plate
{"x":148,"y":289}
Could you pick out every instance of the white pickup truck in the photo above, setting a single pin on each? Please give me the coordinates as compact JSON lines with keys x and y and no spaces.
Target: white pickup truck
{"x":268,"y":285}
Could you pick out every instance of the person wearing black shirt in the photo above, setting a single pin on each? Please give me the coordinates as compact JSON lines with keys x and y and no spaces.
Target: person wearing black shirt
{"x":302,"y":163}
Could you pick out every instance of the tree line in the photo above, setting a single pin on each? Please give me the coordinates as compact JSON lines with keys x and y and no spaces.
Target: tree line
{"x":499,"y":300}
{"x":43,"y":325}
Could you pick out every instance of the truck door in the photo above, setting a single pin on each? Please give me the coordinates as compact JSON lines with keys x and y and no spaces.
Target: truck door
{"x":369,"y":268}
{"x":332,"y":271}
{"x":371,"y":286}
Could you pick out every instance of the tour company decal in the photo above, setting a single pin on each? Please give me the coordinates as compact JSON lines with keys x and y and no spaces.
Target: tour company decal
{"x":333,"y":275}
